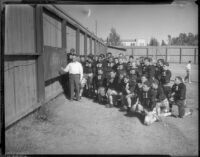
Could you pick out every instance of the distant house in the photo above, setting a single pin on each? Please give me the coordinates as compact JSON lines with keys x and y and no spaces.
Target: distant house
{"x":134,"y":42}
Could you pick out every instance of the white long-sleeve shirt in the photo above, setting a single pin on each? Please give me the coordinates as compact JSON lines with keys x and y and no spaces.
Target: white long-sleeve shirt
{"x":74,"y":68}
{"x":188,"y":67}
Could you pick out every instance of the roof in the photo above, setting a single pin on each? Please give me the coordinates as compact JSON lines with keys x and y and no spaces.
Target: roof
{"x":116,"y":47}
{"x":128,"y":40}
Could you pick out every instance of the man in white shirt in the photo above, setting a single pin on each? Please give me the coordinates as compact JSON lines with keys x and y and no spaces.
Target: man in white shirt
{"x":188,"y":70}
{"x":75,"y":71}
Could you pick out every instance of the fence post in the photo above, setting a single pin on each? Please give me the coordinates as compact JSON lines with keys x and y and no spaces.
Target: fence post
{"x":147,"y":51}
{"x":78,"y":41}
{"x":195,"y":54}
{"x":39,"y":49}
{"x":180,"y":55}
{"x":166,"y":55}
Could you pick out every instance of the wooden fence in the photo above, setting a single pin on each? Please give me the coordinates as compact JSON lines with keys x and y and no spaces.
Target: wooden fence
{"x":37,"y":38}
{"x":171,"y":54}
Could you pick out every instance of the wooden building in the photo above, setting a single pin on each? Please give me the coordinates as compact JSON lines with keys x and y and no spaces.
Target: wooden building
{"x":37,"y":38}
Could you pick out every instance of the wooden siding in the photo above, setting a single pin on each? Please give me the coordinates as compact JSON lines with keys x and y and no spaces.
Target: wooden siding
{"x":29,"y":30}
{"x":52,"y":31}
{"x":54,"y":59}
{"x":53,"y":90}
{"x":71,"y":38}
{"x":81,"y":43}
{"x":92,"y":46}
{"x":20,"y":87}
{"x":19,"y":29}
{"x":88,"y":45}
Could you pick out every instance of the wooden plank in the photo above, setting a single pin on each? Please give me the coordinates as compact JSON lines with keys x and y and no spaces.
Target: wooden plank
{"x":2,"y":99}
{"x":52,"y":31}
{"x":24,"y":113}
{"x":18,"y":86}
{"x":95,"y":47}
{"x":39,"y":47}
{"x":78,"y":41}
{"x":64,"y":34}
{"x":22,"y":54}
{"x":19,"y":23}
{"x":90,"y":45}
{"x":33,"y":81}
{"x":85,"y":44}
{"x":26,"y":95}
{"x":9,"y":92}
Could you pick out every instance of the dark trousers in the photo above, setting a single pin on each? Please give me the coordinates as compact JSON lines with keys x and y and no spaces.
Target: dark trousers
{"x":181,"y":107}
{"x":74,"y":83}
{"x":187,"y":77}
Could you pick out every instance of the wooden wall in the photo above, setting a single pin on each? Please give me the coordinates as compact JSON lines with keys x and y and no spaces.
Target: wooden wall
{"x":71,"y":38}
{"x":20,"y":88}
{"x":36,"y":41}
{"x":20,"y":35}
{"x":81,"y":43}
{"x":88,"y":45}
{"x":54,"y":55}
{"x":52,"y":31}
{"x":20,"y":64}
{"x":92,"y":46}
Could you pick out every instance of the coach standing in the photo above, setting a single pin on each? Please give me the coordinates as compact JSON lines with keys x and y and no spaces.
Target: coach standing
{"x":75,"y":71}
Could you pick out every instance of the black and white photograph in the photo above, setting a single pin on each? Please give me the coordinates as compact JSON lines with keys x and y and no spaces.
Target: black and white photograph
{"x":104,"y":78}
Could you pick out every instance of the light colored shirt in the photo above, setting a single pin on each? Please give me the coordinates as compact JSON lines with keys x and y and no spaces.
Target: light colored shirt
{"x":74,"y":68}
{"x":188,"y":67}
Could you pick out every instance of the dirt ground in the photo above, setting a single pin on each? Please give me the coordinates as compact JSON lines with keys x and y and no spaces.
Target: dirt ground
{"x":87,"y":127}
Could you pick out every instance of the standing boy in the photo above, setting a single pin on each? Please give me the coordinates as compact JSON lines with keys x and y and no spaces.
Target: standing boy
{"x":178,"y":97}
{"x":188,"y":71}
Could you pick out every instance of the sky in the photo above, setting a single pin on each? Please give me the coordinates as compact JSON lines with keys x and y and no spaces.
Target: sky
{"x":137,"y":21}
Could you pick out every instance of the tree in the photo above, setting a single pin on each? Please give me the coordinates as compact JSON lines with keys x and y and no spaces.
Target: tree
{"x":169,"y":39}
{"x":113,"y":38}
{"x":185,"y":39}
{"x":163,"y":43}
{"x":153,"y":42}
